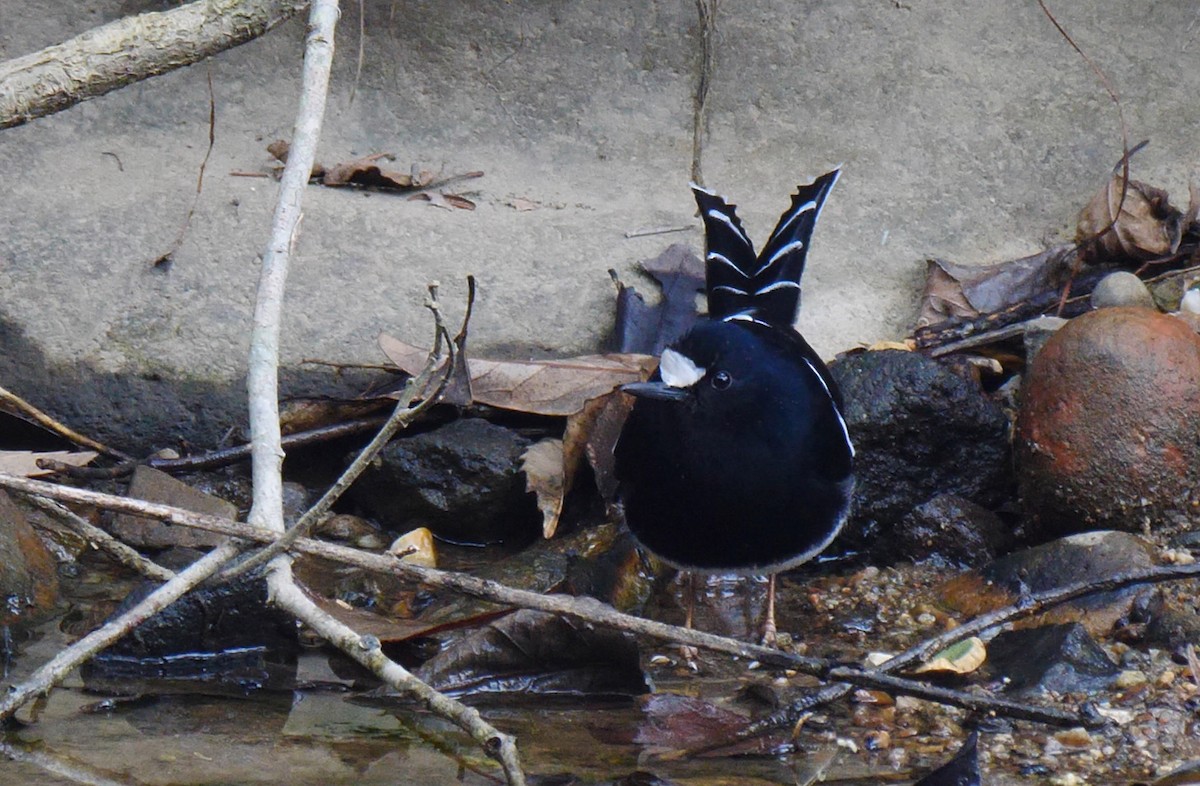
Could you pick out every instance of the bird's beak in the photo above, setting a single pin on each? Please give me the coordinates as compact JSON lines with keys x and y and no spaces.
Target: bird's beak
{"x":657,"y":389}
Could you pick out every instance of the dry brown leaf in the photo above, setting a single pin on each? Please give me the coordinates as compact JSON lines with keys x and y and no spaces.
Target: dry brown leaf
{"x":444,"y":200}
{"x":1149,"y":227}
{"x":542,"y":464}
{"x":24,"y":462}
{"x":540,"y":387}
{"x":595,"y":429}
{"x":943,"y":297}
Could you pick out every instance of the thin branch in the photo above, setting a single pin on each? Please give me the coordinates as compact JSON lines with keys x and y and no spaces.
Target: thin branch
{"x":123,"y":554}
{"x":591,"y":610}
{"x":403,"y":416}
{"x":164,"y":260}
{"x":266,"y":451}
{"x":129,"y":50}
{"x":57,"y":668}
{"x":367,"y":651}
{"x":18,"y":406}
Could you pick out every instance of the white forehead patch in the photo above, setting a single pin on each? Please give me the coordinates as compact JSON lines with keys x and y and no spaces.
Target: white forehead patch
{"x":678,"y":370}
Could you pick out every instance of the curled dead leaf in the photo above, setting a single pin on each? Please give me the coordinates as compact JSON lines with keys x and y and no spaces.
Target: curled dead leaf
{"x":539,"y":387}
{"x":1148,"y":226}
{"x":415,"y":548}
{"x":542,"y":464}
{"x":963,"y":657}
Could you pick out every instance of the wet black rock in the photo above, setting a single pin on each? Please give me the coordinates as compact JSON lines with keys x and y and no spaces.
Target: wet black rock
{"x":1173,"y":621}
{"x":463,"y":481}
{"x":919,"y":430}
{"x":218,"y":640}
{"x":951,"y":530}
{"x":1059,"y":658}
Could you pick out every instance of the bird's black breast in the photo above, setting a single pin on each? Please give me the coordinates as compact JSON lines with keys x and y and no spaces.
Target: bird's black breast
{"x":752,"y":476}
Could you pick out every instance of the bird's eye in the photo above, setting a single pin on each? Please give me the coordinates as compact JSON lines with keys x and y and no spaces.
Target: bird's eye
{"x":722,"y":380}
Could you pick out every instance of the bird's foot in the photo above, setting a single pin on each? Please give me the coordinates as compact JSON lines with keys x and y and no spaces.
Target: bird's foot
{"x":770,"y":634}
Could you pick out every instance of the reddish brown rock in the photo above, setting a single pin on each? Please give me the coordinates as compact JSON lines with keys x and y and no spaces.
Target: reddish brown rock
{"x":1108,"y":434}
{"x":28,"y":574}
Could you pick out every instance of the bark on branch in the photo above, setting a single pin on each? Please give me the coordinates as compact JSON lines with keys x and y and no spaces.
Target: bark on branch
{"x":129,"y":50}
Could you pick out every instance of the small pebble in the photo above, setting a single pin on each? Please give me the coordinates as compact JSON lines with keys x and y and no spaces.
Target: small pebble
{"x":1077,"y":737}
{"x":1130,"y":678}
{"x":1121,"y":288}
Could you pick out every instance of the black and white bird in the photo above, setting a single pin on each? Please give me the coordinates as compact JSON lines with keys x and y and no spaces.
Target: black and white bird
{"x":735,"y":457}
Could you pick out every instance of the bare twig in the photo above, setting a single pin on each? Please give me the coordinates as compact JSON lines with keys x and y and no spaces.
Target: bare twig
{"x":656,"y":231}
{"x":100,"y":539}
{"x":164,"y":260}
{"x":403,"y":415}
{"x":366,"y":650}
{"x":216,"y":458}
{"x":21,"y":408}
{"x":266,"y":449}
{"x":57,"y":668}
{"x":589,"y":609}
{"x":129,"y":50}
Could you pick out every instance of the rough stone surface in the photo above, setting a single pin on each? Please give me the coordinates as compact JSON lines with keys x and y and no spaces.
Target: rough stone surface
{"x":1106,"y":433}
{"x":970,"y":132}
{"x":28,"y":574}
{"x":1053,"y":658}
{"x":919,"y":430}
{"x":153,"y":485}
{"x":1090,"y":556}
{"x":949,"y":529}
{"x":463,"y":481}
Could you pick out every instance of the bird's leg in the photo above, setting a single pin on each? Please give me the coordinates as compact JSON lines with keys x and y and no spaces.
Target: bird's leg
{"x":687,"y":651}
{"x":769,"y":630}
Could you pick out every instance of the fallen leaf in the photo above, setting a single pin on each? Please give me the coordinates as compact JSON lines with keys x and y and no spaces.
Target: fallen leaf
{"x":963,"y":657}
{"x":24,"y":462}
{"x":954,"y":291}
{"x":540,"y":387}
{"x":542,"y":464}
{"x":650,"y":329}
{"x":596,"y":428}
{"x":444,"y":200}
{"x":535,"y":654}
{"x":1148,"y":226}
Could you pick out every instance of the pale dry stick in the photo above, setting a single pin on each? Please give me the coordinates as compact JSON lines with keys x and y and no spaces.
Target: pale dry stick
{"x":583,"y":608}
{"x":24,"y":409}
{"x":100,"y":539}
{"x":266,"y":451}
{"x":129,"y":50}
{"x":367,"y":651}
{"x":402,"y":416}
{"x":69,"y":771}
{"x":57,"y":668}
